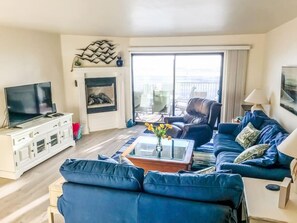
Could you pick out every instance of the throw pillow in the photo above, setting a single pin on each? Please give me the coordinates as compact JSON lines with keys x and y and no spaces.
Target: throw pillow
{"x":248,"y":136}
{"x":117,"y":159}
{"x":107,"y":159}
{"x":251,"y":153}
{"x":206,"y":170}
{"x":249,"y":117}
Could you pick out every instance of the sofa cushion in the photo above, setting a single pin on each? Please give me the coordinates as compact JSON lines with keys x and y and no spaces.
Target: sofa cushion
{"x":206,"y":187}
{"x":249,"y":117}
{"x":255,"y":171}
{"x":282,"y":159}
{"x":269,"y":158}
{"x":251,"y":153}
{"x":101,"y":173}
{"x":248,"y":136}
{"x":225,"y":142}
{"x":272,"y":122}
{"x":218,"y":138}
{"x":267,"y":134}
{"x":226,"y":157}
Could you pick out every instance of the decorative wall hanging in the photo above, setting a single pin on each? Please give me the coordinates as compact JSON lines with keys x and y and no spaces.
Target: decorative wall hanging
{"x":288,"y":92}
{"x":98,"y":51}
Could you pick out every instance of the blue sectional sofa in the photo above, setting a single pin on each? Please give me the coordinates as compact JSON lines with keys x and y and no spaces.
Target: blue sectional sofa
{"x":272,"y":165}
{"x":99,"y":191}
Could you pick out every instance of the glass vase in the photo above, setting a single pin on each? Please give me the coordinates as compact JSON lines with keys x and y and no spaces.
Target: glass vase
{"x":159,"y":147}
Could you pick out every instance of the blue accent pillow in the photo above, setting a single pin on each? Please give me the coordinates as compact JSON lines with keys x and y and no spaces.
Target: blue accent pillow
{"x":268,"y":159}
{"x":267,"y":134}
{"x":116,"y":158}
{"x":107,"y":159}
{"x":249,"y":118}
{"x":122,"y":159}
{"x":282,"y":159}
{"x":102,"y":173}
{"x":199,"y":187}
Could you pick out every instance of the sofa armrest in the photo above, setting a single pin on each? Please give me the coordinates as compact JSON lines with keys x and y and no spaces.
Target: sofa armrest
{"x":227,"y":128}
{"x":172,"y":119}
{"x":255,"y":172}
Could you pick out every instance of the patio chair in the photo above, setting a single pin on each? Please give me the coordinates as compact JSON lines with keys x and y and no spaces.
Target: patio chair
{"x":160,"y":102}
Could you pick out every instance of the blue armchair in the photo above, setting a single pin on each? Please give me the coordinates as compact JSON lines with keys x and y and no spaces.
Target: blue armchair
{"x":198,"y":123}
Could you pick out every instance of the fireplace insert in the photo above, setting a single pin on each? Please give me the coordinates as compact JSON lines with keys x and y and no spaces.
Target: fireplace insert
{"x":101,"y":94}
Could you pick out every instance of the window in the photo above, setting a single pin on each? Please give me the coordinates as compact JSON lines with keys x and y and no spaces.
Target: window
{"x":163,"y":83}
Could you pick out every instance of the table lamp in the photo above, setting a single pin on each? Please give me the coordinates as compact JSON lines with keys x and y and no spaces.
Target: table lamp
{"x":257,"y":97}
{"x":289,"y":147}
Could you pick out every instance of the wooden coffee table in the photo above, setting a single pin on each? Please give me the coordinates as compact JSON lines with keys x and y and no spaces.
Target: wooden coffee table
{"x":177,"y":154}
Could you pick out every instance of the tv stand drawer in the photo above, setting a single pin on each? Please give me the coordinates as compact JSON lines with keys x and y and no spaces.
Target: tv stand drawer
{"x":21,"y":138}
{"x":46,"y":128}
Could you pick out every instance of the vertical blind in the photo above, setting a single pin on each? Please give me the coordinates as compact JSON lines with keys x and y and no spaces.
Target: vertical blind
{"x":234,"y":83}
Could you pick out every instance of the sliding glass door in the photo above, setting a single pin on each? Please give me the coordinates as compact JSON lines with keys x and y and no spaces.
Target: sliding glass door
{"x":196,"y":75}
{"x":163,"y":83}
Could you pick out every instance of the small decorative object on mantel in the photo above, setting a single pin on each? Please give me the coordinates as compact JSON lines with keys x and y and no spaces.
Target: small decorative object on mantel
{"x":160,"y":131}
{"x":75,"y":63}
{"x":288,"y":92}
{"x":119,"y":60}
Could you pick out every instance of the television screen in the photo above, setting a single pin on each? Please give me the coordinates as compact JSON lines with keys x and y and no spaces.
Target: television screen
{"x":28,"y":102}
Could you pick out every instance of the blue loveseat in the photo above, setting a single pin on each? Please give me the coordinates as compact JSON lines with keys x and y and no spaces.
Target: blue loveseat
{"x":99,"y":191}
{"x":272,"y":165}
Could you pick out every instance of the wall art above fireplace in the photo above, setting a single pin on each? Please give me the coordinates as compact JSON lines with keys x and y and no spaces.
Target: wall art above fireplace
{"x":101,"y":94}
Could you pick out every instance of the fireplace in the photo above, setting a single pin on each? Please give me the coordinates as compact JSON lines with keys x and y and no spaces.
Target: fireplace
{"x":107,"y":115}
{"x":101,"y":94}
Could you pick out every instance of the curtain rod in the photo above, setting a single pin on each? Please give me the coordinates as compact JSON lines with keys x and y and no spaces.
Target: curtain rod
{"x":217,"y":48}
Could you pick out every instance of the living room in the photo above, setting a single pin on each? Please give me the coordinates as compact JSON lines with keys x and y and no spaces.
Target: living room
{"x":40,"y":43}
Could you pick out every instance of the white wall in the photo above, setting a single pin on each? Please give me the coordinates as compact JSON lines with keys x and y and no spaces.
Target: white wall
{"x":69,"y":45}
{"x":281,"y":50}
{"x":27,"y":57}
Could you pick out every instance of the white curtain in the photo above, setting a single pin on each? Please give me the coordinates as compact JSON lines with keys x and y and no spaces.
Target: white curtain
{"x":234,"y":83}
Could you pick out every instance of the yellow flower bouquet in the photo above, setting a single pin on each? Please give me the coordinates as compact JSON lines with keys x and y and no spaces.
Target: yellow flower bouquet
{"x":160,"y":131}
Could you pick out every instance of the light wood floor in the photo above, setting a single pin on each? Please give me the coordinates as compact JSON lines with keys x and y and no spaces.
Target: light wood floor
{"x":26,"y":200}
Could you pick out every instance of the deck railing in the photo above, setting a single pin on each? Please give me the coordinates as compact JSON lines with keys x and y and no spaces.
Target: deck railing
{"x":184,"y":90}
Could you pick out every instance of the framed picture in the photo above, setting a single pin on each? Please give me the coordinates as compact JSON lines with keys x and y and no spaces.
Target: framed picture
{"x":288,"y":92}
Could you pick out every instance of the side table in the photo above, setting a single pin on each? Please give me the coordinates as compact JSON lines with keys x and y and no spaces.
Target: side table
{"x":55,"y":191}
{"x":261,"y":205}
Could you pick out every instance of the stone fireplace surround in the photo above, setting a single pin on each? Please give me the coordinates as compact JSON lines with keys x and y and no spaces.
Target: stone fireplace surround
{"x":103,"y":120}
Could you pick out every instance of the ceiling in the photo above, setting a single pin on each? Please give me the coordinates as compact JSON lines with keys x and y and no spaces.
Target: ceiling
{"x":134,"y":18}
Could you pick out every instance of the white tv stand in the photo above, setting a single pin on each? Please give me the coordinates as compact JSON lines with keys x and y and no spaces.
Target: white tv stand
{"x":25,"y":147}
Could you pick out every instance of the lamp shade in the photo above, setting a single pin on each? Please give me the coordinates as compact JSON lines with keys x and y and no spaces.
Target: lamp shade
{"x":257,"y":97}
{"x":289,"y":145}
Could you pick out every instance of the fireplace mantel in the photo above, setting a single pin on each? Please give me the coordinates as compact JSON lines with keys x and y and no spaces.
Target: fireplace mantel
{"x":103,"y":120}
{"x":84,"y":70}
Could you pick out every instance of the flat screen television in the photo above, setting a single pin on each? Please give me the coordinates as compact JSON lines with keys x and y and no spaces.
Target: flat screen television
{"x":28,"y":102}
